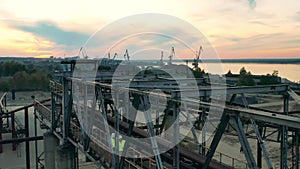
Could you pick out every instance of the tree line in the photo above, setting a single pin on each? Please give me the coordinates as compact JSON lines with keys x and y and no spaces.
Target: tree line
{"x":15,"y":76}
{"x":247,"y":79}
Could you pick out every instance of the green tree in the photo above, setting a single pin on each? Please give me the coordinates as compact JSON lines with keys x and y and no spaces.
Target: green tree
{"x":245,"y":78}
{"x":229,"y":72}
{"x":270,"y":79}
{"x":4,"y":85}
{"x":11,"y":67}
{"x":198,"y":73}
{"x":20,"y":81}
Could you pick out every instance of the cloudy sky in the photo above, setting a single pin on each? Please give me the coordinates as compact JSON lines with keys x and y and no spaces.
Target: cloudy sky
{"x":236,"y":28}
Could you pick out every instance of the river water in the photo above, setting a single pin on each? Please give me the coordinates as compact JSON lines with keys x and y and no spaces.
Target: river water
{"x":288,"y":71}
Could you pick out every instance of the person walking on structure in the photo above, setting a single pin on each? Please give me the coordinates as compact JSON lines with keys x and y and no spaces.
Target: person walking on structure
{"x":121,"y":142}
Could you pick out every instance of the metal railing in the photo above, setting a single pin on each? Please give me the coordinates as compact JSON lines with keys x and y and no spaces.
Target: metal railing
{"x":44,"y":111}
{"x":98,"y":144}
{"x":55,"y":86}
{"x":228,"y":160}
{"x":3,"y":103}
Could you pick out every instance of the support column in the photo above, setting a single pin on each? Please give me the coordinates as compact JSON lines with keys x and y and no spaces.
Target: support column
{"x":35,"y":142}
{"x":50,"y":145}
{"x":53,"y":108}
{"x":259,"y":151}
{"x":65,"y":157}
{"x":1,"y":126}
{"x":284,"y":136}
{"x":213,"y":146}
{"x":27,"y":147}
{"x":203,"y":132}
{"x":13,"y":131}
{"x":297,"y":149}
{"x":176,"y":130}
{"x":132,"y":118}
{"x":244,"y":143}
{"x":67,"y":109}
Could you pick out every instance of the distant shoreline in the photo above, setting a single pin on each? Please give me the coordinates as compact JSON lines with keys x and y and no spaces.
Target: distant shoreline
{"x":246,"y":60}
{"x":259,"y":61}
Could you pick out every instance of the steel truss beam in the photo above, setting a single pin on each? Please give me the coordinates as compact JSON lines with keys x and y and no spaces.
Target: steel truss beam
{"x":284,"y":136}
{"x":133,"y":114}
{"x":67,"y":109}
{"x":244,"y":142}
{"x":20,"y":140}
{"x":284,"y":120}
{"x":260,"y":143}
{"x":151,"y":132}
{"x":213,"y":146}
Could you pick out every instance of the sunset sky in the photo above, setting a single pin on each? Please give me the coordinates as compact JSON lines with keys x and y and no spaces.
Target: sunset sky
{"x":236,"y":28}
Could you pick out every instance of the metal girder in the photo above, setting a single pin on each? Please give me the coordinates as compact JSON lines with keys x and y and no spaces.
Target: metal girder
{"x":205,"y":91}
{"x":27,"y":146}
{"x":263,"y":116}
{"x":284,"y":148}
{"x":20,"y":140}
{"x":35,"y":142}
{"x":297,"y":160}
{"x":246,"y":113}
{"x":261,"y":146}
{"x":213,"y":146}
{"x":294,"y":96}
{"x":53,"y":113}
{"x":152,"y":134}
{"x":117,"y":125}
{"x":67,"y":109}
{"x":86,"y":141}
{"x":259,"y":150}
{"x":284,"y":120}
{"x":244,"y":142}
{"x":204,"y":127}
{"x":1,"y":126}
{"x":255,"y":114}
{"x":202,"y":91}
{"x":232,"y":99}
{"x":135,"y":103}
{"x":284,"y":136}
{"x":176,"y":161}
{"x":260,"y":143}
{"x":191,"y":124}
{"x":165,"y":117}
{"x":103,"y":107}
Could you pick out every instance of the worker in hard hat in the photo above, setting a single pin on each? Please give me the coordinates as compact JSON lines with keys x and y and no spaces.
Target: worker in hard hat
{"x":121,"y":142}
{"x":113,"y":135}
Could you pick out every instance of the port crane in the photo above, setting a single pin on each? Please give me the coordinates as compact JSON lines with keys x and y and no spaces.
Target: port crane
{"x":172,"y":55}
{"x":197,"y":59}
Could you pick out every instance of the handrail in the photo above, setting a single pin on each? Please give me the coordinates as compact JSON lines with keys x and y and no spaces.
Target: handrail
{"x":55,"y":86}
{"x":232,"y":162}
{"x":98,"y":142}
{"x":45,"y":111}
{"x":2,"y":107}
{"x":25,"y":107}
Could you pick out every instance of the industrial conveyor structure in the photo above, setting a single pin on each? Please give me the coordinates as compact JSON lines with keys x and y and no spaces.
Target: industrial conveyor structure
{"x":83,"y":113}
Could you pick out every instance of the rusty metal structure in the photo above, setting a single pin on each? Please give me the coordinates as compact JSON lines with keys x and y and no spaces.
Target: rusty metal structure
{"x":83,"y":122}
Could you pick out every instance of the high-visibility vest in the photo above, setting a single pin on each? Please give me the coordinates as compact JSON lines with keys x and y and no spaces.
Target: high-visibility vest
{"x":113,"y":142}
{"x":121,"y":145}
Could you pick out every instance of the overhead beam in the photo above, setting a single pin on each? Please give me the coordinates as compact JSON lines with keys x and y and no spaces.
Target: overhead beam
{"x":283,"y":120}
{"x":20,"y":140}
{"x":279,"y":119}
{"x":205,"y":91}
